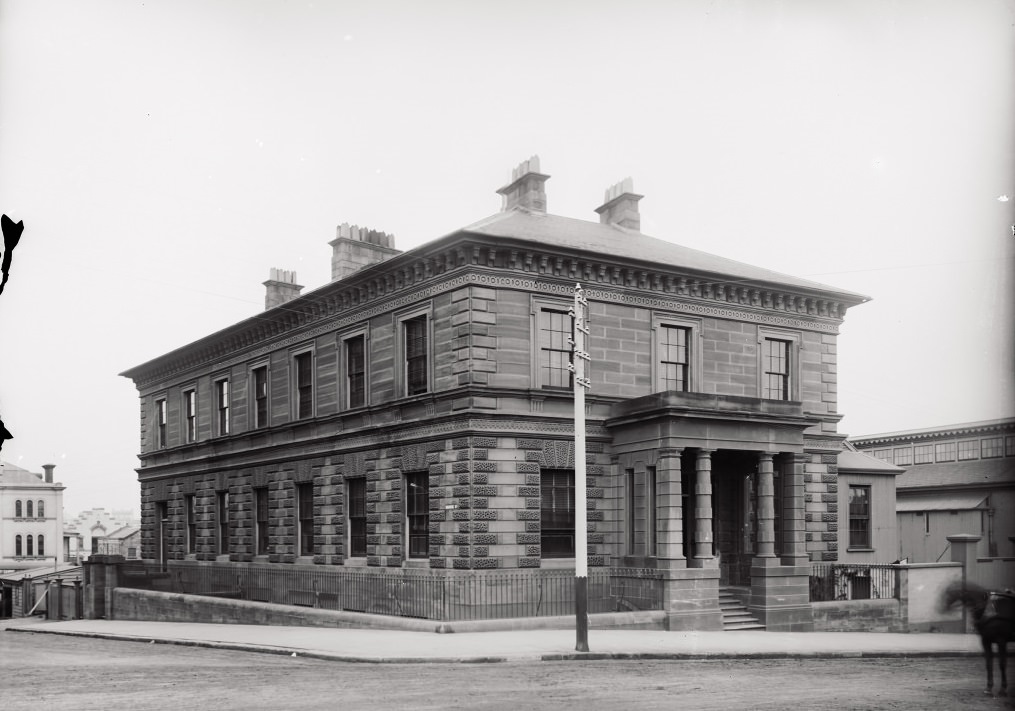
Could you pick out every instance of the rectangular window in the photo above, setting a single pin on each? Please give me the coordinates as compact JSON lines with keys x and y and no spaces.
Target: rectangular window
{"x":417,"y":514}
{"x":991,"y":447}
{"x":261,"y":519}
{"x":191,"y":514}
{"x":903,"y":456}
{"x":303,"y":364}
{"x":357,"y":493}
{"x":554,"y":349}
{"x":674,"y":358}
{"x":969,"y":449}
{"x":190,"y":415}
{"x":923,"y":454}
{"x":884,"y":455}
{"x":222,"y":406}
{"x":355,"y":371}
{"x":556,"y":513}
{"x":859,"y":517}
{"x":944,"y":452}
{"x":416,"y":355}
{"x":305,"y":509}
{"x":259,"y":377}
{"x":160,"y":423}
{"x":775,"y":361}
{"x":1009,"y":446}
{"x":650,"y":511}
{"x":629,"y":493}
{"x":223,"y":522}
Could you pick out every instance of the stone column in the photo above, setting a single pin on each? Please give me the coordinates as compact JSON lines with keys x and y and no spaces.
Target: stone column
{"x":766,"y":510}
{"x":670,"y":510}
{"x":703,"y":557}
{"x":794,"y":548}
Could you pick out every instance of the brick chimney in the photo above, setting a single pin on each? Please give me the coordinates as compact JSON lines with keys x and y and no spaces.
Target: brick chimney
{"x":48,"y":468}
{"x":280,"y":288}
{"x":525,"y":191}
{"x":620,"y":206}
{"x":356,"y":247}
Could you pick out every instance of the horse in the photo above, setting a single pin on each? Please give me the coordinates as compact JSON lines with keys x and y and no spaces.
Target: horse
{"x":993,"y":619}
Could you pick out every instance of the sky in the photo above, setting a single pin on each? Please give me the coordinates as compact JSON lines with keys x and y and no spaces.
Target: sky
{"x":164,"y":155}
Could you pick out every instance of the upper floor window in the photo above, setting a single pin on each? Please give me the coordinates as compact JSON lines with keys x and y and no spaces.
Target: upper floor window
{"x":17,"y":546}
{"x":417,"y":514}
{"x":1009,"y":446}
{"x":969,"y":449}
{"x":355,"y":370}
{"x":554,"y":335}
{"x":190,"y":414}
{"x":28,"y":510}
{"x":305,"y":517}
{"x":416,"y":354}
{"x":556,"y":513}
{"x":303,"y":365}
{"x":674,"y":358}
{"x":259,"y":387}
{"x":991,"y":447}
{"x":40,"y":510}
{"x":222,"y":406}
{"x":859,"y":517}
{"x":944,"y":452}
{"x":903,"y":456}
{"x":923,"y":454}
{"x":17,"y":509}
{"x":776,"y":369}
{"x":29,"y":547}
{"x":41,"y":545}
{"x":160,"y":423}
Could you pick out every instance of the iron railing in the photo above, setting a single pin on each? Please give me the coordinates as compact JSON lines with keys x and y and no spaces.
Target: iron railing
{"x":849,"y":581}
{"x":434,"y":595}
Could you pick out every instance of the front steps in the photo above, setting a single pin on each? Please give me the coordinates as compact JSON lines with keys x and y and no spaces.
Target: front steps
{"x":734,"y":615}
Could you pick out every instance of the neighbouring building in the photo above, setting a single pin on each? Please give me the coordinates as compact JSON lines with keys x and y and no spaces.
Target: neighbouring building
{"x":416,"y":413}
{"x":83,"y":533}
{"x":31,"y":518}
{"x":959,"y":479}
{"x":125,"y":541}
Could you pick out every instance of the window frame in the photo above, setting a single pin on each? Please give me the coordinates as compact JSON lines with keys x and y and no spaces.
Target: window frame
{"x":190,"y":518}
{"x":550,"y":536}
{"x":302,"y":383}
{"x":18,"y":546}
{"x":693,"y":329}
{"x":402,"y":319}
{"x":29,"y":509}
{"x":161,"y":416}
{"x":923,"y":454}
{"x":262,"y":526}
{"x":189,"y":409}
{"x":417,"y":515}
{"x":40,"y":509}
{"x":18,"y":509}
{"x":345,"y":375}
{"x":222,"y":518}
{"x":793,"y":357}
{"x":992,"y":447}
{"x":256,"y":399}
{"x":40,"y":545}
{"x":950,"y":451}
{"x":972,"y":447}
{"x":305,"y":518}
{"x":856,"y":517}
{"x":902,"y":456}
{"x":538,"y":306}
{"x":356,"y":517}
{"x":222,"y":390}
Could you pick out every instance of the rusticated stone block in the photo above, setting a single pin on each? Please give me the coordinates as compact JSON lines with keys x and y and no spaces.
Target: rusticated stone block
{"x":480,"y":551}
{"x":595,"y":516}
{"x":484,"y":490}
{"x":463,"y":551}
{"x":484,"y":466}
{"x":533,"y":455}
{"x":486,"y":539}
{"x":463,"y":478}
{"x":596,"y":537}
{"x":461,"y":564}
{"x":480,"y":503}
{"x":532,"y":503}
{"x":480,"y":454}
{"x":829,"y":498}
{"x":533,"y":527}
{"x":528,"y":468}
{"x":810,"y":537}
{"x":528,"y":562}
{"x":486,"y":515}
{"x":436,"y":562}
{"x":528,"y":444}
{"x":526,"y":538}
{"x":527,"y":514}
{"x":460,"y":491}
{"x":480,"y":526}
{"x":532,"y":550}
{"x":486,"y":563}
{"x":834,"y":508}
{"x":460,"y":467}
{"x":459,"y":442}
{"x":597,"y":561}
{"x":488,"y":442}
{"x":438,"y":515}
{"x":829,"y":556}
{"x":528,"y":491}
{"x":826,"y":517}
{"x":459,"y":515}
{"x":829,"y":537}
{"x":829,"y":478}
{"x":532,"y":480}
{"x":460,"y":539}
{"x":594,"y":493}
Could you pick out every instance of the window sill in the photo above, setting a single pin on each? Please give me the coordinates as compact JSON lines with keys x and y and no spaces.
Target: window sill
{"x":356,"y":562}
{"x":557,"y":563}
{"x":860,"y":550}
{"x":416,"y":563}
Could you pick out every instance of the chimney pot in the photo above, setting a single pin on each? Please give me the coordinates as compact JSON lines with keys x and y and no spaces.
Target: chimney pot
{"x":620,"y":206}
{"x":48,"y":468}
{"x":526,"y":190}
{"x":280,"y":288}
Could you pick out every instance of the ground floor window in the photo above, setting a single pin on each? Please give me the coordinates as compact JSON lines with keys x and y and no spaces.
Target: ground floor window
{"x":859,"y":517}
{"x":417,"y":514}
{"x":556,"y":513}
{"x":305,"y":509}
{"x":357,"y":505}
{"x":261,"y":519}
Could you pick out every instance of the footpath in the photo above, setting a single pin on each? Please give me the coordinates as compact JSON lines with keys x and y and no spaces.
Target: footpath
{"x":397,"y":646}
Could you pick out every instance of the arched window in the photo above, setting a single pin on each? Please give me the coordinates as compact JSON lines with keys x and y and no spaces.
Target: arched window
{"x":42,"y":545}
{"x":41,"y":511}
{"x":17,"y":509}
{"x":28,"y":510}
{"x":17,"y":544}
{"x":28,"y":546}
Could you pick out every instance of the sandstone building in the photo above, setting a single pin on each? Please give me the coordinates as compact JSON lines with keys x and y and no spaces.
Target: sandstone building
{"x":416,"y":413}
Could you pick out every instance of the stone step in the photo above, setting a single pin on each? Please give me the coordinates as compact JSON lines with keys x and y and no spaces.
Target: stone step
{"x":734,"y":615}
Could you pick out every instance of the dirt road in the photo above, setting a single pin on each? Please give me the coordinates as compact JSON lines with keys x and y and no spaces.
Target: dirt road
{"x":43,"y":671}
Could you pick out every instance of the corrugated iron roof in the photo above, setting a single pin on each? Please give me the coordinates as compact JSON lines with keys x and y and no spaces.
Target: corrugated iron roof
{"x":979,"y":472}
{"x":853,"y":461}
{"x":936,"y":502}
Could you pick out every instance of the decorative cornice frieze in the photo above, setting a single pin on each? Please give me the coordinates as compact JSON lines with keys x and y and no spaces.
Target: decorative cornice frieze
{"x":415,"y":276}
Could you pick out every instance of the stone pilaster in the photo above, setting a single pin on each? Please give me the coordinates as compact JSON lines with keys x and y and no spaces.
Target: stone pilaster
{"x":669,"y":509}
{"x":703,"y":555}
{"x":794,"y":550}
{"x":766,"y":511}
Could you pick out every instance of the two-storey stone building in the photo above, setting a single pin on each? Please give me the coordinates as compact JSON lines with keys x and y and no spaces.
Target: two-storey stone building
{"x":416,"y":412}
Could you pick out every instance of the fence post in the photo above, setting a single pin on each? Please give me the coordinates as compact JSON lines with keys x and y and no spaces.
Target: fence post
{"x":79,"y":608}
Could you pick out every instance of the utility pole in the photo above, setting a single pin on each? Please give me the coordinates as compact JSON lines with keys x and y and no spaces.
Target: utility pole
{"x":579,"y":356}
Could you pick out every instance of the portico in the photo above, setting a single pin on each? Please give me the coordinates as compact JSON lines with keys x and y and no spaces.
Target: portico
{"x":729,"y":502}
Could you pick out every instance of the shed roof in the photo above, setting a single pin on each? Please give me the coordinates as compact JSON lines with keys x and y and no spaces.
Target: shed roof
{"x":937,"y":502}
{"x":979,"y":472}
